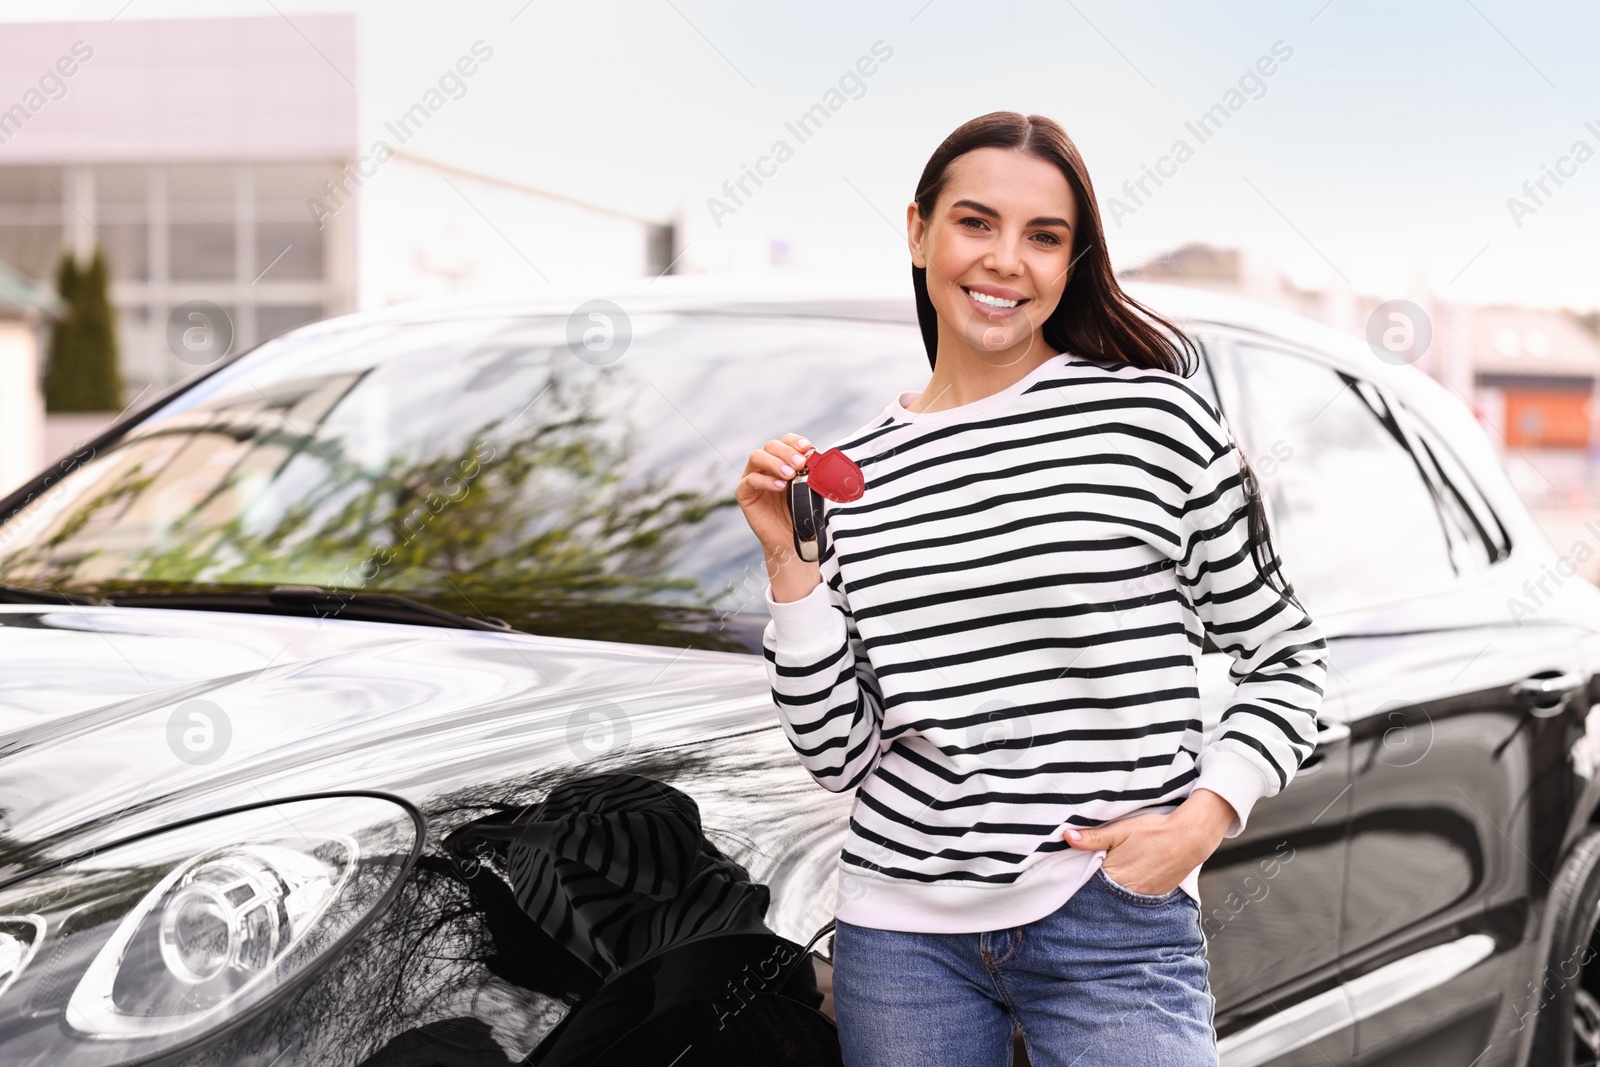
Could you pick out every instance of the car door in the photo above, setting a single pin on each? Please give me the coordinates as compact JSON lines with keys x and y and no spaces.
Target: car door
{"x":1390,"y":546}
{"x":1465,"y":714}
{"x":1271,"y":898}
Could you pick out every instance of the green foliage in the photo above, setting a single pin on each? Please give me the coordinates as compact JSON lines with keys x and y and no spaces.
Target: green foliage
{"x":84,"y":372}
{"x":554,"y":525}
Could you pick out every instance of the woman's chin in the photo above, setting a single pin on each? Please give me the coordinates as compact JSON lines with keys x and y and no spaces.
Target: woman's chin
{"x":994,"y":339}
{"x":1000,"y":339}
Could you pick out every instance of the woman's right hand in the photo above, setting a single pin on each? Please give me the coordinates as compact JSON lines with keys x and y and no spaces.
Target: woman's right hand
{"x":763,"y":491}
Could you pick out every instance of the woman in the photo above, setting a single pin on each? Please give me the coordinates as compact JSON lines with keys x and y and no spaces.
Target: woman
{"x":998,"y":649}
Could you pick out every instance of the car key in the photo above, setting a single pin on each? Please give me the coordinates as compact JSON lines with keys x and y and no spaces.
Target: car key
{"x":832,"y":476}
{"x":835,"y":475}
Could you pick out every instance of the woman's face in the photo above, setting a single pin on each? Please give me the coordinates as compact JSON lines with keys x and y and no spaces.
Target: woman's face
{"x":997,"y":249}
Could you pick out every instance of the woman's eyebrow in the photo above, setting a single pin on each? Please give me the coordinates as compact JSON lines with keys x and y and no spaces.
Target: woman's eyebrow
{"x":984,"y":209}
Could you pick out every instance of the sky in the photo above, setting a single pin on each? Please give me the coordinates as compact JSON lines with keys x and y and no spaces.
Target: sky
{"x":1387,"y":151}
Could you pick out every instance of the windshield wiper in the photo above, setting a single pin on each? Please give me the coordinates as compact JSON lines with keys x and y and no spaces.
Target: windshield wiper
{"x":17,"y":594}
{"x":313,"y":600}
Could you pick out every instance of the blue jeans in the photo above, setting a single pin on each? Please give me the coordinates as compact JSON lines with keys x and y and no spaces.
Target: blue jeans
{"x":1111,"y":978}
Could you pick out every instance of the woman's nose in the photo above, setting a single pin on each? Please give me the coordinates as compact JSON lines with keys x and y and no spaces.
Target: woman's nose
{"x":1004,"y":256}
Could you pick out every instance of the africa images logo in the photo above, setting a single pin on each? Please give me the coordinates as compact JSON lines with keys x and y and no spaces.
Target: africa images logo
{"x":50,"y":86}
{"x":803,"y":128}
{"x":451,"y":85}
{"x":198,"y":732}
{"x":1206,"y":126}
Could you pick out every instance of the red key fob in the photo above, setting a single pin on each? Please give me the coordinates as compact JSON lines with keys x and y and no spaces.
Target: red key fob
{"x":835,"y":475}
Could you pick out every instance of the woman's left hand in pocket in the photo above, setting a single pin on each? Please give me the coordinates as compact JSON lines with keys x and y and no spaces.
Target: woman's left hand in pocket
{"x":1153,"y":853}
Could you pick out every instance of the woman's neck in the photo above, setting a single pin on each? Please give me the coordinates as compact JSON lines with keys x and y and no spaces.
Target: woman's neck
{"x":961,"y":378}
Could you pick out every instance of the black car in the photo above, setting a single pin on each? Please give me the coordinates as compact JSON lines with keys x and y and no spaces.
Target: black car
{"x":392,"y":694}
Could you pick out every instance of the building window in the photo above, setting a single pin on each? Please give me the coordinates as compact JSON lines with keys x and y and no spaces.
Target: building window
{"x":31,"y":185}
{"x":122,"y":186}
{"x":32,"y":249}
{"x":209,"y":183}
{"x":291,"y":183}
{"x":127,"y":250}
{"x":273,"y":319}
{"x":289,"y":250}
{"x":237,"y":234}
{"x":201,"y":251}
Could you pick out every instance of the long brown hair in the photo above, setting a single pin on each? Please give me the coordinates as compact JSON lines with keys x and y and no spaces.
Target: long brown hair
{"x":1094,"y":318}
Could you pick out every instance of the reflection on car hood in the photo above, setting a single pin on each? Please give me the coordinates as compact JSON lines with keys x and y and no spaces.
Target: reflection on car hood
{"x":98,"y":739}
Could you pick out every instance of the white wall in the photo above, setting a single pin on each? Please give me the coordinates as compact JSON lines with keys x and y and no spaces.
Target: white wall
{"x":21,"y":406}
{"x":428,"y":230}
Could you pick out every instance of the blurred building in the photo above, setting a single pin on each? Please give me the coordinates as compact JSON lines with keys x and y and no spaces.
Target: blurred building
{"x":188,"y":148}
{"x":1537,"y":374}
{"x":221,"y":160}
{"x":429,"y":228}
{"x":1241,"y":273}
{"x":1531,"y":376}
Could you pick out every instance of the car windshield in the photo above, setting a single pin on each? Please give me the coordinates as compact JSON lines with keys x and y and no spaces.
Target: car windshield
{"x":479,"y":466}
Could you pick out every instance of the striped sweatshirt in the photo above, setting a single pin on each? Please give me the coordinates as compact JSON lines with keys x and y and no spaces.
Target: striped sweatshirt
{"x":1007,"y":635}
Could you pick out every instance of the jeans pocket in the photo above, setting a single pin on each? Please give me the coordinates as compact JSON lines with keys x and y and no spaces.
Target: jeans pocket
{"x":1133,"y":896}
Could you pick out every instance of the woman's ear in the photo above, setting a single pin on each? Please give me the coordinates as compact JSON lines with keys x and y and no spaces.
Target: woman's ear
{"x":915,"y":231}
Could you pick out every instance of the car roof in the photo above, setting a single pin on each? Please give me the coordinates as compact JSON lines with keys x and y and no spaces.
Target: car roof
{"x":879,"y":298}
{"x":850,"y":296}
{"x":883,"y":298}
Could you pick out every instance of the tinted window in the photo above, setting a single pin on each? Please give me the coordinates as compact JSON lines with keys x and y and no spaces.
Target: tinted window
{"x":1201,"y":381}
{"x":1352,"y":518}
{"x":1477,"y":537}
{"x":480,"y":466}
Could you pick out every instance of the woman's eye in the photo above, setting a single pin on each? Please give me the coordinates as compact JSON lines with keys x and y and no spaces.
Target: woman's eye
{"x":972,"y":219}
{"x":1051,"y":239}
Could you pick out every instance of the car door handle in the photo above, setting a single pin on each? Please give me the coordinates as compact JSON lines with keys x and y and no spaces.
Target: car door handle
{"x":1328,"y":734}
{"x":1331,"y":733}
{"x":1547,"y":696}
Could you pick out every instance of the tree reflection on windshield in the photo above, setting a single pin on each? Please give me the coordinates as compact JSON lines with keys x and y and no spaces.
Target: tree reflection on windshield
{"x":488,"y":473}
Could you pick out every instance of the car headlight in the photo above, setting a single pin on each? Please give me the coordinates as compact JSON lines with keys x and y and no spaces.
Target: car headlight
{"x":149,"y":945}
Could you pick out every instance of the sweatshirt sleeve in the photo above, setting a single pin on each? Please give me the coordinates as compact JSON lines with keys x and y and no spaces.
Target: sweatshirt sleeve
{"x":822,"y":682}
{"x":1279,"y":653}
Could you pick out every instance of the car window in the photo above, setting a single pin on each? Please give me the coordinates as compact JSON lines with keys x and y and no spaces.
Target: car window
{"x":1477,"y":536}
{"x":1203,"y":380}
{"x":489,"y":467}
{"x":1351,"y":515}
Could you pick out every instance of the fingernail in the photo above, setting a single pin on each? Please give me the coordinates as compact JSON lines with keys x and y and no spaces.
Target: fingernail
{"x":788,"y":471}
{"x":804,"y":443}
{"x":797,"y":460}
{"x":778,"y":483}
{"x":1073,"y":834}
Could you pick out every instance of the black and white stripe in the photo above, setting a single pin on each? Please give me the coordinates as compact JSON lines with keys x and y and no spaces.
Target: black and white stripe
{"x":1002,"y":644}
{"x":616,"y":867}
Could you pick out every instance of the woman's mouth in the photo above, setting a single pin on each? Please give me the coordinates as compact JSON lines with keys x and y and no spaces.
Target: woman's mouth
{"x":992,"y":305}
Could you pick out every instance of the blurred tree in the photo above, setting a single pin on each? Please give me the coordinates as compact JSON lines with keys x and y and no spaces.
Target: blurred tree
{"x":556,"y":528}
{"x":63,"y":337}
{"x":84,"y":372}
{"x":1589,"y":320}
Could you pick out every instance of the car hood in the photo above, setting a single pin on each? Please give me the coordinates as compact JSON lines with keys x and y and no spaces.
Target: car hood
{"x":98,"y":739}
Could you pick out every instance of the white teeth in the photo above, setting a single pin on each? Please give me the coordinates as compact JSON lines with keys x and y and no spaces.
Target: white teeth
{"x":992,"y":301}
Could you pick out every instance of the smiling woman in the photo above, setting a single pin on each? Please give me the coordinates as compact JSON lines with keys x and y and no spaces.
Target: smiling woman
{"x":1022,"y":728}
